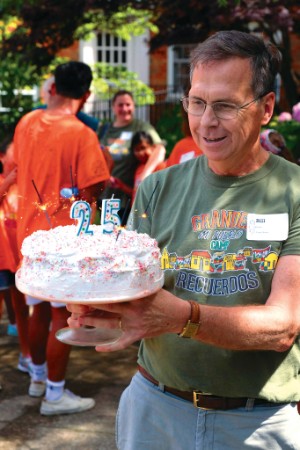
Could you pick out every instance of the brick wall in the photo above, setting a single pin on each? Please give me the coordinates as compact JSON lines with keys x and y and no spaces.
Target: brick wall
{"x":158,"y":67}
{"x":295,"y":51}
{"x":71,"y":52}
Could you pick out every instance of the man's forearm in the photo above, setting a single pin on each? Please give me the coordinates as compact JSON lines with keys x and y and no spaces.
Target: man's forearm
{"x":246,"y":327}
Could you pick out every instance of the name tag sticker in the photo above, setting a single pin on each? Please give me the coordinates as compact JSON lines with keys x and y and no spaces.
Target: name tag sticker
{"x":187,"y":156}
{"x":126,"y":135}
{"x":267,"y":227}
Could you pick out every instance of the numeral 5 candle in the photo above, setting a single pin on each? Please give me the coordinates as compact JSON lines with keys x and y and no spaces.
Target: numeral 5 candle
{"x":81,"y":211}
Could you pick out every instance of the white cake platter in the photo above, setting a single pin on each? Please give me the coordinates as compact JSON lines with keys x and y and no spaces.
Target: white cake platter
{"x":117,"y":296}
{"x":88,"y":337}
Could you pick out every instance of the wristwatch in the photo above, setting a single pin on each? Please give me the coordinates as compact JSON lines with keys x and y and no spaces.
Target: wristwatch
{"x":192,"y":326}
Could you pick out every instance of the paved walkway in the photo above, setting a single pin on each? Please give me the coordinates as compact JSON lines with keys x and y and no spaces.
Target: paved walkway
{"x":91,"y":374}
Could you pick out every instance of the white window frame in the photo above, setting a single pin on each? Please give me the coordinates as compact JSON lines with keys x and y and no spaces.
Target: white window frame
{"x":137,"y":55}
{"x":115,"y":47}
{"x":171,"y":64}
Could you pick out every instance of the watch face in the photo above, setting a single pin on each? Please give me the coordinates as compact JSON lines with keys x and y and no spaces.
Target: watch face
{"x":190,"y":330}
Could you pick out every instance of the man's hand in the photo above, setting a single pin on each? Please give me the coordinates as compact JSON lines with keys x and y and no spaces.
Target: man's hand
{"x":147,"y":317}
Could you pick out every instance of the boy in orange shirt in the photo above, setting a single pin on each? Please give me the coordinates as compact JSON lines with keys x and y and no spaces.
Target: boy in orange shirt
{"x":53,"y":149}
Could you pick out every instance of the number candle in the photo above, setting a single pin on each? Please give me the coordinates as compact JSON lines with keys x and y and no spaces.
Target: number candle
{"x":109,"y":216}
{"x":81,"y":210}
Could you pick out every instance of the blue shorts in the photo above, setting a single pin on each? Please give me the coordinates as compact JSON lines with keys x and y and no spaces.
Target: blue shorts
{"x":150,"y":419}
{"x":7,"y":279}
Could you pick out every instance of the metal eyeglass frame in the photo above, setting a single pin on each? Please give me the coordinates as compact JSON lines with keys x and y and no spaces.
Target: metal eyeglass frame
{"x":235,"y":109}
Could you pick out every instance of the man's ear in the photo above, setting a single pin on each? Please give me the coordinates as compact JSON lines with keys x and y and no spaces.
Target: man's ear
{"x":82,"y":100}
{"x":269,"y":103}
{"x":85,"y":97}
{"x":52,"y":89}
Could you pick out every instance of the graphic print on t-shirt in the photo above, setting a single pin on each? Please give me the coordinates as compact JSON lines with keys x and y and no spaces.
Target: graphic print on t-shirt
{"x":224,"y":251}
{"x":120,"y":147}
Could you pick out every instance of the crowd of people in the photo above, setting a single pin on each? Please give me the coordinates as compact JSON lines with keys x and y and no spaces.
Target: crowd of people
{"x":240,"y":364}
{"x":73,"y":157}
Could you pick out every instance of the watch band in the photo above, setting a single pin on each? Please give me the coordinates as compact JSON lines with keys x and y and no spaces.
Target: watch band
{"x":191,"y":327}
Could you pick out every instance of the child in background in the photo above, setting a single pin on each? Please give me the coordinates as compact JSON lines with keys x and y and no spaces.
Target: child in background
{"x":142,"y":147}
{"x":272,"y":141}
{"x":9,"y":254}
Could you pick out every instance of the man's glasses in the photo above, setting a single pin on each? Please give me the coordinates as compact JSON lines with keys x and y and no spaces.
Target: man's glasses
{"x":196,"y":107}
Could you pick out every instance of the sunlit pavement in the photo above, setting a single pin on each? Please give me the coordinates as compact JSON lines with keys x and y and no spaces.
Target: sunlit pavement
{"x":90,"y":374}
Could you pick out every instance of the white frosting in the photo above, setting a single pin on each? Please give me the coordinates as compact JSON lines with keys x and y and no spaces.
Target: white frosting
{"x":58,"y":265}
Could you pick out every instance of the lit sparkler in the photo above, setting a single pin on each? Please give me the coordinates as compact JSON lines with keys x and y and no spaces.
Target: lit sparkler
{"x":123,"y":217}
{"x":41,"y":206}
{"x":144,"y":215}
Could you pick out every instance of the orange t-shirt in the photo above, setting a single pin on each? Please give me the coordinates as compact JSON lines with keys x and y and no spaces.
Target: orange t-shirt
{"x":51,"y":151}
{"x":8,"y":260}
{"x":184,"y":150}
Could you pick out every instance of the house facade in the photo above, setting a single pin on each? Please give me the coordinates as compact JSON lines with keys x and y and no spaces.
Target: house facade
{"x":167,"y":66}
{"x":166,"y":70}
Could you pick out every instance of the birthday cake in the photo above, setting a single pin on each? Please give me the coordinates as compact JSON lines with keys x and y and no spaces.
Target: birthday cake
{"x":60,"y":266}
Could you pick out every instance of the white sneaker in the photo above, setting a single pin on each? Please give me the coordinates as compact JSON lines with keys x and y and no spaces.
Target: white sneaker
{"x":68,"y":403}
{"x":37,"y":388}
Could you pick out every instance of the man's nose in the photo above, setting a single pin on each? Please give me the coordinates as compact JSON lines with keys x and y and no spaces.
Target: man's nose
{"x":209,"y":116}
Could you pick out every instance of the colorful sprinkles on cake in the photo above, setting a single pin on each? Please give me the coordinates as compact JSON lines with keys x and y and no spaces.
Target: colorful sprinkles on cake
{"x":109,"y":214}
{"x":91,"y":267}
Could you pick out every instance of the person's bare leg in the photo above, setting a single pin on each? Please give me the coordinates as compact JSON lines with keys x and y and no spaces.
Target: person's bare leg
{"x":59,"y":400}
{"x":57,"y":352}
{"x":9,"y":306}
{"x":22,"y":319}
{"x":1,"y":303}
{"x":39,"y":323}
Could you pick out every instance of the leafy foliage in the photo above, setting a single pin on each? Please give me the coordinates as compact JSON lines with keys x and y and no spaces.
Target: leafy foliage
{"x":169,"y":126}
{"x":12,"y":89}
{"x":197,"y":19}
{"x":32,"y":31}
{"x":126,"y":23}
{"x":109,"y":79}
{"x":50,"y":25}
{"x":190,"y":21}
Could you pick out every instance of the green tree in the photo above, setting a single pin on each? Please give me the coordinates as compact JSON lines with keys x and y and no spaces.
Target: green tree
{"x":190,"y":21}
{"x":31,"y":35}
{"x":109,"y":79}
{"x":41,"y":29}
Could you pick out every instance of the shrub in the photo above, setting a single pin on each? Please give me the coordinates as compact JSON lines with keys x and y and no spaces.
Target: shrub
{"x":169,"y":126}
{"x":290,"y":130}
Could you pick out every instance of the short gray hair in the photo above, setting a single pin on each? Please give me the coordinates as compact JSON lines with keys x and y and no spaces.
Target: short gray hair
{"x":265,"y":57}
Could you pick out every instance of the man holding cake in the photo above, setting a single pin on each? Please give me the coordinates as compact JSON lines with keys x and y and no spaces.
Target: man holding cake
{"x":219,"y":364}
{"x":53,"y":151}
